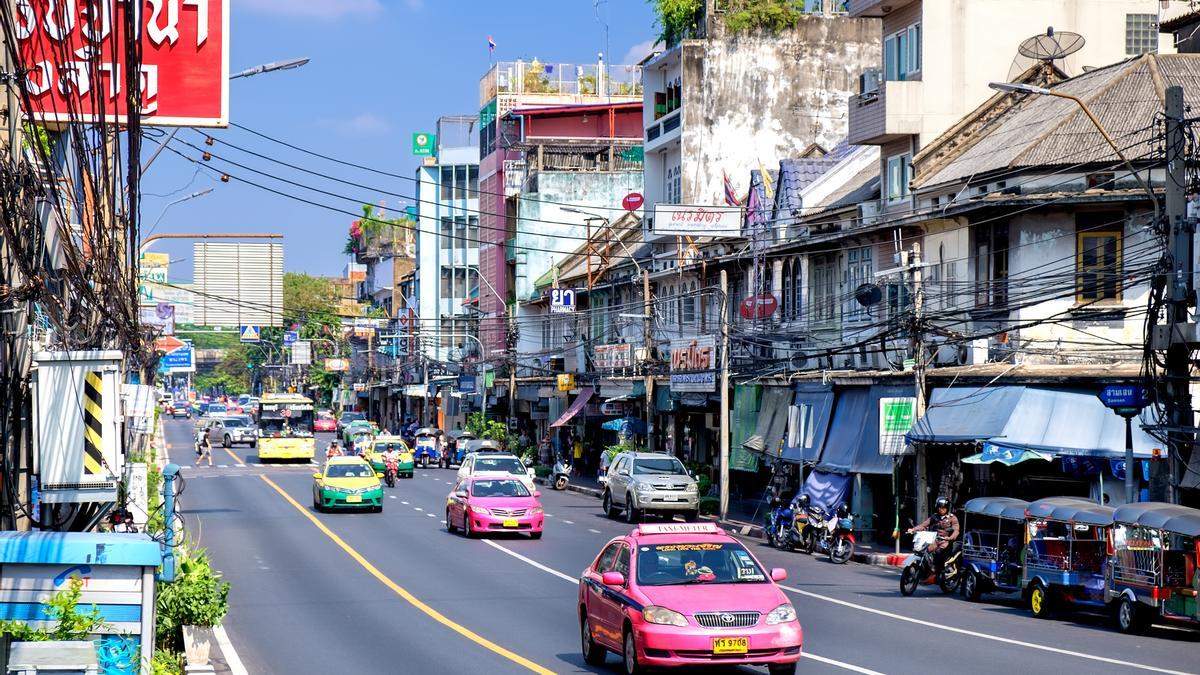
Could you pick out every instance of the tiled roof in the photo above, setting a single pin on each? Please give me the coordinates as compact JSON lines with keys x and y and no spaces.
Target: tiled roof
{"x":1047,"y":131}
{"x":797,"y":174}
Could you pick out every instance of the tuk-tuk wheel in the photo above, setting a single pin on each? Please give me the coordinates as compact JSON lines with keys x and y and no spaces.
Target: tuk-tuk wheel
{"x":971,"y":586}
{"x":1130,"y":617}
{"x":1039,"y":600}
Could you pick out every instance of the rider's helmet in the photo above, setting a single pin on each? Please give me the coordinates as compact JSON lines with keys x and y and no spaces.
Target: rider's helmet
{"x":802,"y":501}
{"x":942,"y":503}
{"x":843,"y":511}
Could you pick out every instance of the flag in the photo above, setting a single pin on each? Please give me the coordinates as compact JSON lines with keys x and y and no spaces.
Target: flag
{"x":730,"y":197}
{"x":491,"y":45}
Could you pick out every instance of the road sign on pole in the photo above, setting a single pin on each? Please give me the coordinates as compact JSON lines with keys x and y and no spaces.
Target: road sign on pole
{"x":1127,"y":400}
{"x":290,"y":337}
{"x":251,"y":334}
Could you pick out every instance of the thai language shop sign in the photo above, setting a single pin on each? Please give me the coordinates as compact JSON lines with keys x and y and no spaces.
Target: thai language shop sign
{"x":613,"y":357}
{"x":74,"y":55}
{"x":697,"y":221}
{"x":693,"y":364}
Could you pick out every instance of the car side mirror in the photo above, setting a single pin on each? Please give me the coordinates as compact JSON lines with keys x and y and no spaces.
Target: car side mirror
{"x":461,"y":494}
{"x":317,"y":475}
{"x":778,"y":574}
{"x":613,"y":579}
{"x":537,"y":493}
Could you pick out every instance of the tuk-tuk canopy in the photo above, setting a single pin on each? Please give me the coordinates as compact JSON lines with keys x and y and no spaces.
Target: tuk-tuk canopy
{"x":1160,"y":516}
{"x":428,"y":431}
{"x":998,"y":507}
{"x":1071,"y":510}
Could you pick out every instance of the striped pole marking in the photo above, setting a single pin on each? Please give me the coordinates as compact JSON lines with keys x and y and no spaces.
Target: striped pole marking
{"x":93,"y":431}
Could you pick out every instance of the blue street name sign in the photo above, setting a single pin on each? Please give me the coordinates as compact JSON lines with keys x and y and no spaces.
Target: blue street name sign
{"x":466,"y":384}
{"x":1124,"y":397}
{"x":291,"y":337}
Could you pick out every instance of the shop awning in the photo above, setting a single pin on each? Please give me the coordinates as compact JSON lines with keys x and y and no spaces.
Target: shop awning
{"x":580,"y":401}
{"x":1005,"y":455}
{"x":772,"y":421}
{"x":808,"y":422}
{"x":965,"y":414}
{"x":853,"y":442}
{"x":1061,"y":423}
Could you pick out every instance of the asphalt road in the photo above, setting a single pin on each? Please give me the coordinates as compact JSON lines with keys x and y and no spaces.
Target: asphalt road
{"x":394,"y":592}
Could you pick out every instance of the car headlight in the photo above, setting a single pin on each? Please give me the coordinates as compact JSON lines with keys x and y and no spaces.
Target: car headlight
{"x":664,"y":616}
{"x":537,"y":510}
{"x":480,"y":510}
{"x":691,"y":487}
{"x":781,"y":614}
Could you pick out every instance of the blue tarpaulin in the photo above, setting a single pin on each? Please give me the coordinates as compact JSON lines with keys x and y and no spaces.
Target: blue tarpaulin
{"x":826,"y":490}
{"x":965,"y":414}
{"x":853,"y":442}
{"x":808,"y":420}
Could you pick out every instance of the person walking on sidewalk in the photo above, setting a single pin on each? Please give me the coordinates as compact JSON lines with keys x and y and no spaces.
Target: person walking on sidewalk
{"x":205,"y":450}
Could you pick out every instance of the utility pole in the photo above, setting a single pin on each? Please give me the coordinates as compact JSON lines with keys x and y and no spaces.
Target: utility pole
{"x":917,"y":349}
{"x":511,"y":343}
{"x":724,"y":424}
{"x":648,"y":339}
{"x":1180,"y":230}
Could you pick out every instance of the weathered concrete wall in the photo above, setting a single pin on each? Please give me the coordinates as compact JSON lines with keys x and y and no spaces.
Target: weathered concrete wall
{"x":752,"y":99}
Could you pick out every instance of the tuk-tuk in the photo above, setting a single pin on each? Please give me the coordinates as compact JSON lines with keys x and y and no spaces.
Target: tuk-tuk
{"x":994,"y":534}
{"x":1152,"y":565}
{"x":427,"y":446}
{"x":1066,"y":546}
{"x":455,"y":449}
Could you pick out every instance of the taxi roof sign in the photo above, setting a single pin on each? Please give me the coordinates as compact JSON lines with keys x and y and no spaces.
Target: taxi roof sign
{"x":679,"y":528}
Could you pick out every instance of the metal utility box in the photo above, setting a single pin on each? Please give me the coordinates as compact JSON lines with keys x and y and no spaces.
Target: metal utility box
{"x":77,"y":406}
{"x":117,"y":570}
{"x":53,"y":658}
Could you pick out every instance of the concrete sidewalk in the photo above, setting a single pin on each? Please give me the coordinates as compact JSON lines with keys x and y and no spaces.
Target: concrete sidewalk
{"x":865,"y":554}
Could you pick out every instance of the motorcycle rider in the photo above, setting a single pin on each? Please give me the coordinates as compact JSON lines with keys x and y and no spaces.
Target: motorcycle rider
{"x":391,"y":456}
{"x":333,"y":450}
{"x":946,"y":524}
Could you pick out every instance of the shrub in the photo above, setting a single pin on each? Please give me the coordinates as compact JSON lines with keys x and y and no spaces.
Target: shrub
{"x":197,"y":597}
{"x":62,"y":609}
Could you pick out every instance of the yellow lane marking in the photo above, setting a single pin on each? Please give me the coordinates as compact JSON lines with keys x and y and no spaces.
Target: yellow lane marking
{"x":409,"y":597}
{"x":235,"y":457}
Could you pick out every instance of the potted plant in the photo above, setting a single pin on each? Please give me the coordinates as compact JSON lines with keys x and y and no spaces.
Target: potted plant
{"x":190,"y":606}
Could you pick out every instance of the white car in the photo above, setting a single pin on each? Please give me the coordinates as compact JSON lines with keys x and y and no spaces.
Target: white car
{"x":496,"y":463}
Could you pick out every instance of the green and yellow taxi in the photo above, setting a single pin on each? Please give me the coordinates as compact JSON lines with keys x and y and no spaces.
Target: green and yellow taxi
{"x":382,"y":444}
{"x":347,"y":483}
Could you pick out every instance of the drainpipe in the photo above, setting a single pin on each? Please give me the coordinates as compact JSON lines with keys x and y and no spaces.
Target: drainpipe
{"x":170,"y":474}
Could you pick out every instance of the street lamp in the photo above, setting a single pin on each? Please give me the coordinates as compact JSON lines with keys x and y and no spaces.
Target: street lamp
{"x":1024,"y":88}
{"x":201,"y":193}
{"x":256,"y":70}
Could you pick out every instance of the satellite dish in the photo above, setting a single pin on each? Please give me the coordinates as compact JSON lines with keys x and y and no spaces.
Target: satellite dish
{"x":868,"y":294}
{"x":1051,"y":46}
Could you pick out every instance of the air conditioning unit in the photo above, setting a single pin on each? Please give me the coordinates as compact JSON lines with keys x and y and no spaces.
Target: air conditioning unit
{"x":868,"y":82}
{"x":868,"y":212}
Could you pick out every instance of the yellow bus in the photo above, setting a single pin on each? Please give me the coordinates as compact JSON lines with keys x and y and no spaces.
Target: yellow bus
{"x":285,"y":426}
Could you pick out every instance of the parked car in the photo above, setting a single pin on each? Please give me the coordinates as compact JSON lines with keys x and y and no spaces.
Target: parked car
{"x":641,"y":483}
{"x":233,"y":430}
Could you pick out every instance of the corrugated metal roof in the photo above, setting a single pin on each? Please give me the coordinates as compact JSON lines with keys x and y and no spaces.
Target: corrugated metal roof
{"x":1052,"y":131}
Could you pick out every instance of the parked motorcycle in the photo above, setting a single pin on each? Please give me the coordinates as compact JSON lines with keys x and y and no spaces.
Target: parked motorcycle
{"x":838,"y":539}
{"x":919,"y":567}
{"x":561,"y":474}
{"x":777,"y":530}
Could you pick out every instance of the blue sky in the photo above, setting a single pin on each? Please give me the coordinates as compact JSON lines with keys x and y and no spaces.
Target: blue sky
{"x":380,"y":70}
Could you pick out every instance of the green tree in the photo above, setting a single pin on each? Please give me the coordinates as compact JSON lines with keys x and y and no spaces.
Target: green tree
{"x":678,"y":19}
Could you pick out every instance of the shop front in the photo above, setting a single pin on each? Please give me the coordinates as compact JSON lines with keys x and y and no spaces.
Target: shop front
{"x":1029,"y":442}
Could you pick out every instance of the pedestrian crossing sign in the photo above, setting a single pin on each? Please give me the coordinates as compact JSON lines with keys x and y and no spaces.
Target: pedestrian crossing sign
{"x":251,"y":334}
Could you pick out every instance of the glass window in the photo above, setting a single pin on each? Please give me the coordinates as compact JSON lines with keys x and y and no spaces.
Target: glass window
{"x":664,"y":465}
{"x":605,"y":561}
{"x":689,"y":306}
{"x":1141,"y":34}
{"x":621,"y":564}
{"x":446,"y":235}
{"x":859,"y":271}
{"x":823,"y":288}
{"x":472,"y":232}
{"x":498,"y":488}
{"x":447,"y":287}
{"x":914,"y":48}
{"x":460,"y":182}
{"x":503,"y":464}
{"x":1098,"y":266}
{"x":460,"y":232}
{"x":991,"y":265}
{"x":447,"y":182}
{"x":899,"y":174}
{"x":902,"y":53}
{"x":349,"y":470}
{"x":473,"y":182}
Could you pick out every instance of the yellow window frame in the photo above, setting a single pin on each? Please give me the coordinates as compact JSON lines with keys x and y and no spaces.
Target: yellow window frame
{"x":1080,"y":246}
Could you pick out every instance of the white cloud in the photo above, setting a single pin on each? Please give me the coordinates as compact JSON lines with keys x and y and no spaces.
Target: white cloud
{"x":313,"y":9}
{"x":639,"y":51}
{"x":361,"y":124}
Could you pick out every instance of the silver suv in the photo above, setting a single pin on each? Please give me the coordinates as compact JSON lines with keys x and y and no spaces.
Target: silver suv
{"x":639,"y":483}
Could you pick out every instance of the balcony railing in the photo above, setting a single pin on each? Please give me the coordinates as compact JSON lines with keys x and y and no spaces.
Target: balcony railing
{"x":561,"y":79}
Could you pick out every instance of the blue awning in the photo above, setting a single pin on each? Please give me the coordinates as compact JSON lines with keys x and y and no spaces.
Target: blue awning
{"x":826,"y":490}
{"x":853,"y":442}
{"x":1063,"y":423}
{"x":965,"y":414}
{"x":808,"y":422}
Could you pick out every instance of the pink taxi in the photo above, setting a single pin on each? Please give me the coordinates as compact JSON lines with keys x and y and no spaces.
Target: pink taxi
{"x":493,"y":503}
{"x":685,"y":594}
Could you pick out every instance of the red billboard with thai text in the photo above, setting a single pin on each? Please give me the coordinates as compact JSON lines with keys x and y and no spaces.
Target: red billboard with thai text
{"x":74,"y":53}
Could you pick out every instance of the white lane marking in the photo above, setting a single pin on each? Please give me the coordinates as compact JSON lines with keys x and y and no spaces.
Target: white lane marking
{"x":222,"y":466}
{"x":548,"y":515}
{"x":240,"y":466}
{"x":391,"y":496}
{"x":593,"y":531}
{"x":431,"y":515}
{"x":569,"y":522}
{"x":984,"y":636}
{"x":573,"y":580}
{"x":417,"y":508}
{"x":404,"y":502}
{"x":231,"y":656}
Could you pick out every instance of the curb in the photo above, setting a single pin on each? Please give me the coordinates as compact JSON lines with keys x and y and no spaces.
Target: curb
{"x":571,"y":487}
{"x":880,"y":559}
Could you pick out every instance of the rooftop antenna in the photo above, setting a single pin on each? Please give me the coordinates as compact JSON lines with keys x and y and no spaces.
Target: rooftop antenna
{"x":1052,"y":46}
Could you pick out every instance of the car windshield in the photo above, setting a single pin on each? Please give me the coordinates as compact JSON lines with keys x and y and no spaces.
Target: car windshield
{"x":665,"y":465}
{"x":235,"y":422}
{"x":498,"y":488}
{"x":389,"y":446}
{"x":352,"y":417}
{"x":324,"y":416}
{"x":706,"y":562}
{"x":510,"y":464}
{"x":349,"y":471}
